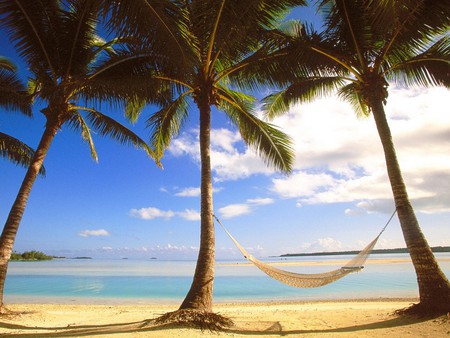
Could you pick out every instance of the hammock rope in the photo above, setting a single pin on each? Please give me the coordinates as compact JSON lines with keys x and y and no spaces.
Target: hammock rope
{"x":314,"y":280}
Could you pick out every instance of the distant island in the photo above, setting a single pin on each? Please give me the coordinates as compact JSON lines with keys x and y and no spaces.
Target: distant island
{"x":30,"y":256}
{"x":376,"y":251}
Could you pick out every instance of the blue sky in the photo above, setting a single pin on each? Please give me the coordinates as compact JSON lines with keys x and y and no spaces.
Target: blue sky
{"x":337,"y":198}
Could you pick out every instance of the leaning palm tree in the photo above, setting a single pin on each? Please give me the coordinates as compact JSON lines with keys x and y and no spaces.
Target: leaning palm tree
{"x":72,"y":72}
{"x":364,"y":46}
{"x":13,"y":96}
{"x":217,"y":38}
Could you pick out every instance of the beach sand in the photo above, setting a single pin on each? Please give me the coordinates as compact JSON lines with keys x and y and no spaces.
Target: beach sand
{"x":360,"y":318}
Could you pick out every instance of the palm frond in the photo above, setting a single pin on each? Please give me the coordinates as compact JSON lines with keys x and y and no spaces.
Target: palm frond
{"x":241,"y":26}
{"x":160,"y":24}
{"x":78,"y":36}
{"x":32,"y":27}
{"x":349,"y":25}
{"x":351,"y":94}
{"x":297,"y":52}
{"x":13,"y":94}
{"x":7,"y":64}
{"x":17,"y":152}
{"x":166,"y":123}
{"x":302,"y":90}
{"x":126,"y":78}
{"x":408,"y":21}
{"x":422,"y":65}
{"x":107,"y":126}
{"x":276,"y":104}
{"x":77,"y":122}
{"x":133,"y":109}
{"x":274,"y":146}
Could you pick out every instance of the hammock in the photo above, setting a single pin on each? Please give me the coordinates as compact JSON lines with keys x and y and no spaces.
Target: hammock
{"x":314,"y":280}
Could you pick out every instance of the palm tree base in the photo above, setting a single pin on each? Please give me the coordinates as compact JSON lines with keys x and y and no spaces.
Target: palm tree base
{"x":6,"y":313}
{"x":194,"y":319}
{"x":426,"y":310}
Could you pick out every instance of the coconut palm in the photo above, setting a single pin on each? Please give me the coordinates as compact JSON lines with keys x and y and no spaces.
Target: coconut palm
{"x":364,"y":46}
{"x":13,"y":96}
{"x":217,"y":39}
{"x":72,"y":72}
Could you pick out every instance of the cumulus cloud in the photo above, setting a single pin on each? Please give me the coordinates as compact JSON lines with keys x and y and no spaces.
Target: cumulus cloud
{"x":151,"y":213}
{"x":239,"y":209}
{"x":234,"y":210}
{"x":193,"y":192}
{"x":230,"y":159}
{"x":189,"y":214}
{"x":260,"y":201}
{"x":189,"y":192}
{"x":93,"y":233}
{"x":326,"y":244}
{"x":339,"y":157}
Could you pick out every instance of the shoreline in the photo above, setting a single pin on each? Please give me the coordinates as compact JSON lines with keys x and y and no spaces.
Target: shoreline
{"x":95,"y":301}
{"x":329,"y":318}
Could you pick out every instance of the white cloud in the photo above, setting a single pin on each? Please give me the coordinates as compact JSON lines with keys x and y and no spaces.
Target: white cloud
{"x":186,"y":144}
{"x":189,"y":192}
{"x":194,"y":192}
{"x":234,"y":210}
{"x":339,"y":157}
{"x":189,"y":214}
{"x":227,"y":162}
{"x":302,"y":184}
{"x":224,"y":140}
{"x":151,"y":213}
{"x":93,"y":233}
{"x":239,"y":209}
{"x":260,"y":201}
{"x":326,"y":244}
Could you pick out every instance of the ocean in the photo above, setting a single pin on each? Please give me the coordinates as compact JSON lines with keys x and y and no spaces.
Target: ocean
{"x":129,"y":281}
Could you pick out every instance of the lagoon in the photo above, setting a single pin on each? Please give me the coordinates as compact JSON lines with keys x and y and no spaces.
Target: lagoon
{"x":131,"y":281}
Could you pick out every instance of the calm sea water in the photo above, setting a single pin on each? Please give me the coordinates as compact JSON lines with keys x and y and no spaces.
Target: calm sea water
{"x":153,"y":281}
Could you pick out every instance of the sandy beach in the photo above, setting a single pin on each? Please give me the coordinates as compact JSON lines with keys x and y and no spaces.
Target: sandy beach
{"x":361,"y":318}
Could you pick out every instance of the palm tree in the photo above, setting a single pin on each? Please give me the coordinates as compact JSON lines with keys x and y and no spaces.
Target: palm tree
{"x":217,"y":38}
{"x":364,"y":45}
{"x":70,"y":65}
{"x":13,"y":96}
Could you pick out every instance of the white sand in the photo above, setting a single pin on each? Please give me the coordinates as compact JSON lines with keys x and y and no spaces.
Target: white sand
{"x":362,"y":318}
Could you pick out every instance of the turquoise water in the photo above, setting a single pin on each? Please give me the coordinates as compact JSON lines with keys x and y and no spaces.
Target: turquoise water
{"x":153,"y":281}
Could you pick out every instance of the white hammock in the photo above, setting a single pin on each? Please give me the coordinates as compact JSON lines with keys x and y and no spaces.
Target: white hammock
{"x":314,"y":280}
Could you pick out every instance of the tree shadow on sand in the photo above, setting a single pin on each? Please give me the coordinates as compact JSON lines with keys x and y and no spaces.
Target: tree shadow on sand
{"x":242,"y":328}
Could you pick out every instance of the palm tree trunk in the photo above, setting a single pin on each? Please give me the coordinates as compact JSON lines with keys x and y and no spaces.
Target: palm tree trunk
{"x":434,"y":287}
{"x":9,"y":232}
{"x":200,"y":295}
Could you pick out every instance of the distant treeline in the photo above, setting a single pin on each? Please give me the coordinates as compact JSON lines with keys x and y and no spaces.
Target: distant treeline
{"x":376,"y":251}
{"x":30,"y":256}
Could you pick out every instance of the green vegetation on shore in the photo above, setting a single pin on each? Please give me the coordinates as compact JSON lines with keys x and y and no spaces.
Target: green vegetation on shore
{"x":376,"y":251}
{"x":30,"y":256}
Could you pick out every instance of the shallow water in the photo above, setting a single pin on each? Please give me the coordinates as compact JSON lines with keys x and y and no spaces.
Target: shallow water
{"x":152,"y":281}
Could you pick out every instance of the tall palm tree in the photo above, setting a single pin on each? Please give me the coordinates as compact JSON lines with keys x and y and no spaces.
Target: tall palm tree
{"x":217,"y":38}
{"x":13,"y":96}
{"x":73,"y":71}
{"x":364,"y":46}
